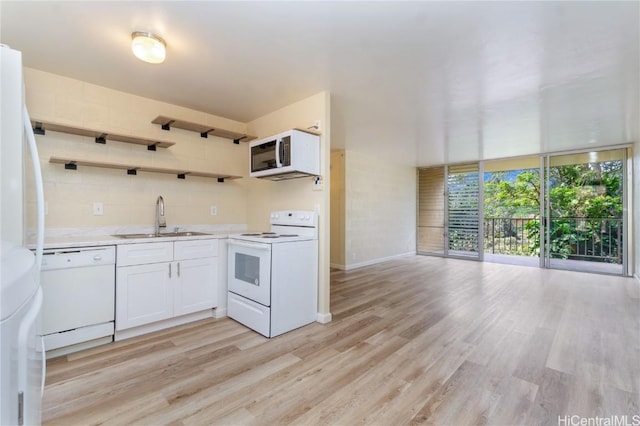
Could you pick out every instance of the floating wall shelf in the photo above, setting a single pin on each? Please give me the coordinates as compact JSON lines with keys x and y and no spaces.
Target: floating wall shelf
{"x":39,"y":128}
{"x":205,"y":130}
{"x":71,"y":164}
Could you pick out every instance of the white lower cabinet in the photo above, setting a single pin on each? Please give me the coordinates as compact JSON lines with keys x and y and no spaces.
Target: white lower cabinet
{"x":159,"y":289}
{"x":144,"y":294}
{"x":194,"y":291}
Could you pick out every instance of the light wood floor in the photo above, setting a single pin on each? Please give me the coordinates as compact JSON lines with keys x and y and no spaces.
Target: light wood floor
{"x":415,"y":340}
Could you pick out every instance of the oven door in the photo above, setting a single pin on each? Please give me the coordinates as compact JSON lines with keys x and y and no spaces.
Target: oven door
{"x":250,"y":270}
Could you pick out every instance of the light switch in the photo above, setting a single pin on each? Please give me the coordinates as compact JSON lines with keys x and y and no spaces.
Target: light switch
{"x":214,"y":210}
{"x":98,"y":209}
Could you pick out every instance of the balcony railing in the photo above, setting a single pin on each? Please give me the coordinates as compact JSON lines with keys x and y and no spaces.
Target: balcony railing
{"x":590,"y":239}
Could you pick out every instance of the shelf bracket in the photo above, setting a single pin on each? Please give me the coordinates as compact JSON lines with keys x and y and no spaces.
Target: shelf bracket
{"x":152,"y":147}
{"x":221,"y":180}
{"x":71,"y":165}
{"x":38,"y":129}
{"x":181,"y":175}
{"x":167,"y":125}
{"x":132,"y":172}
{"x":102,"y":139}
{"x":237,"y":141}
{"x":206,"y":134}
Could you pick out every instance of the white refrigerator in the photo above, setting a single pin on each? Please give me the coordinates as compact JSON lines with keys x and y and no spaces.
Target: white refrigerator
{"x":21,"y":349}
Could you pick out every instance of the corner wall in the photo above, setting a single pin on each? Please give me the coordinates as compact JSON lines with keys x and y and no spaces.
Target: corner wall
{"x":265,"y":196}
{"x":337,"y":208}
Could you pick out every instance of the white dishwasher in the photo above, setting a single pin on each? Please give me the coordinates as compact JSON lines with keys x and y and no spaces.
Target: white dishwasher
{"x":78,"y":305}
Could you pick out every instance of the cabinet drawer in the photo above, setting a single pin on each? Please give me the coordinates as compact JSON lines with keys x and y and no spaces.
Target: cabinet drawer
{"x":138,"y":254}
{"x":195,"y":249}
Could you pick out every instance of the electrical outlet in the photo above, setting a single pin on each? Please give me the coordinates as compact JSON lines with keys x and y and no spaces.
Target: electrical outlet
{"x":214,"y":210}
{"x":98,"y":209}
{"x":318,"y":183}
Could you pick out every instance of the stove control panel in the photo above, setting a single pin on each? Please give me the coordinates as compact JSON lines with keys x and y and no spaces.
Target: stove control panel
{"x":294,"y":218}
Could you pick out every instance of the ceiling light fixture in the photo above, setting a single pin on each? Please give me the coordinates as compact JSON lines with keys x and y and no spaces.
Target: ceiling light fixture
{"x":148,"y":47}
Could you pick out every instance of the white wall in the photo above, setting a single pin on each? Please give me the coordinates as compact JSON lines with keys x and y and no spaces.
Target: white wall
{"x":266,"y":196}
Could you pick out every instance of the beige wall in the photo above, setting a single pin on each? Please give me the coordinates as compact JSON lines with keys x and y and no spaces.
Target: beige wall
{"x":299,"y":194}
{"x":337,"y":208}
{"x":130,"y":200}
{"x":380,"y":209}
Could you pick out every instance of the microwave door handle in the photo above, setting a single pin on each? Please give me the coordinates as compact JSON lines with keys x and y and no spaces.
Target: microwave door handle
{"x":278,"y":148}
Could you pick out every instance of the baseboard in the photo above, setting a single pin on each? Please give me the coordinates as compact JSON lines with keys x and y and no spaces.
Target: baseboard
{"x":66,"y":350}
{"x":379,"y":260}
{"x":220,"y":312}
{"x":337,"y":266}
{"x":161,"y":325}
{"x":324,"y":318}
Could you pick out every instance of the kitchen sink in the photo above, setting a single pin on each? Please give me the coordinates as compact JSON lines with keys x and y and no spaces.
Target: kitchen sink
{"x":163,"y":234}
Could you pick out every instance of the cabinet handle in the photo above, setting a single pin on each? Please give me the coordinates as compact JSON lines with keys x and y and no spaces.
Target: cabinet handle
{"x":169,"y":270}
{"x":178,"y":268}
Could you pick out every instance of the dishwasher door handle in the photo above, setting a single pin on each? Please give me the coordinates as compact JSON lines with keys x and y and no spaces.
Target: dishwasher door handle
{"x":169,"y":270}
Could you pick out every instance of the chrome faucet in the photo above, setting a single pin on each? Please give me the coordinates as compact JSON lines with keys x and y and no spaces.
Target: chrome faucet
{"x":160,"y":220}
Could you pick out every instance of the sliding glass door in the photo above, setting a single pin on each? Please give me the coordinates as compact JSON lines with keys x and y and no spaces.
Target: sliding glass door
{"x":464,"y":233}
{"x":585,"y":222}
{"x":449,"y":211}
{"x":512,"y":210}
{"x":553,"y":211}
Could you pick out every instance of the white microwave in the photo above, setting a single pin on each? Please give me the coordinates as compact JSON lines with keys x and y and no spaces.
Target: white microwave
{"x":288,"y":155}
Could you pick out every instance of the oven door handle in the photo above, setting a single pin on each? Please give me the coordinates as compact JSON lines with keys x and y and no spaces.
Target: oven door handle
{"x":244,"y":244}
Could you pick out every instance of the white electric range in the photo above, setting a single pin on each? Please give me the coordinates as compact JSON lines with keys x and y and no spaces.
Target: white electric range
{"x":273,"y":276}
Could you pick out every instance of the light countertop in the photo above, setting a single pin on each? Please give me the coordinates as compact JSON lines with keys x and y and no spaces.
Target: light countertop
{"x":92,"y":237}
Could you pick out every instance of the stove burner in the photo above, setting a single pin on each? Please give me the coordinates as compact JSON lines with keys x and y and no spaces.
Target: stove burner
{"x":250,"y":235}
{"x":268,"y":233}
{"x":289,"y":235}
{"x":270,"y":236}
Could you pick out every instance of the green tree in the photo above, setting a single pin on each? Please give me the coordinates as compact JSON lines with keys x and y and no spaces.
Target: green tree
{"x":578,"y":193}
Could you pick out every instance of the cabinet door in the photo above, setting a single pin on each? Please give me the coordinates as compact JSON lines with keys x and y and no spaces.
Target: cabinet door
{"x":143,"y":294}
{"x":196,"y":289}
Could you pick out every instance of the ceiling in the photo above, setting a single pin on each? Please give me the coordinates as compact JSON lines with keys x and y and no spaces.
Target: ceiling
{"x":418,"y":82}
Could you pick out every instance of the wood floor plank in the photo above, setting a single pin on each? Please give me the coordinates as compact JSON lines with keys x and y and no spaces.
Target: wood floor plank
{"x":419,"y":340}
